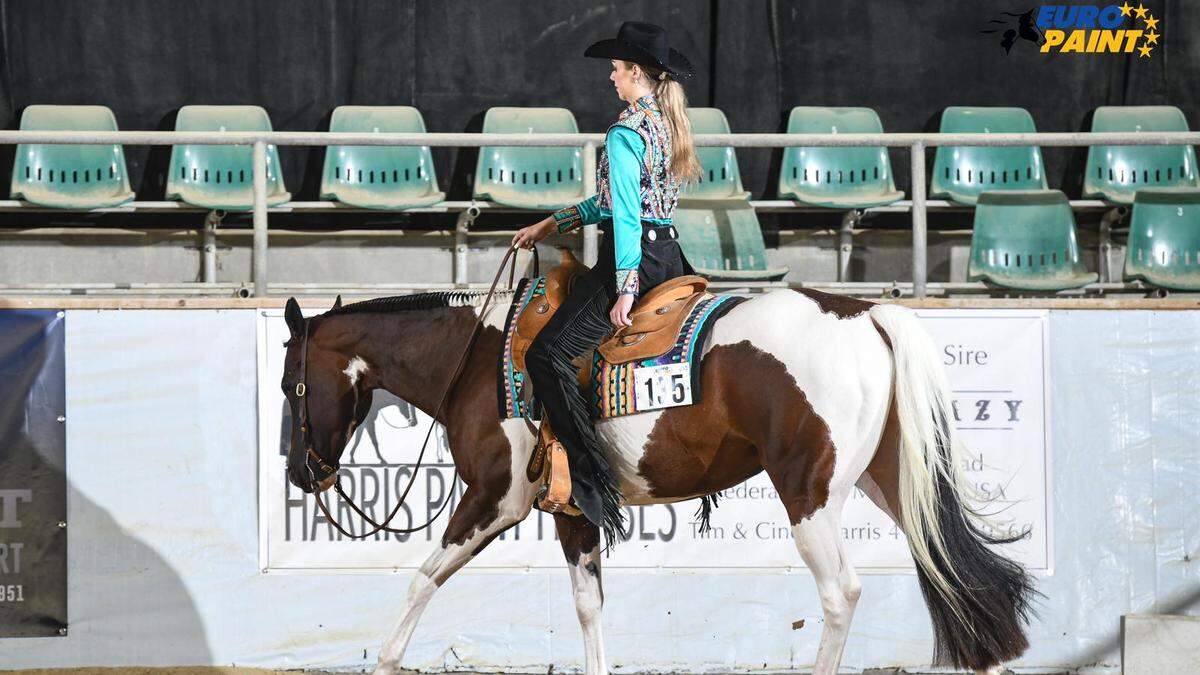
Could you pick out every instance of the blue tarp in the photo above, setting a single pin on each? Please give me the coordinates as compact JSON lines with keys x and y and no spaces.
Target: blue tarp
{"x":33,"y":484}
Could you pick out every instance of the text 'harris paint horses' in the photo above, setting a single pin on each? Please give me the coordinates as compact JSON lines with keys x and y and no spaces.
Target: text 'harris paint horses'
{"x":822,"y":392}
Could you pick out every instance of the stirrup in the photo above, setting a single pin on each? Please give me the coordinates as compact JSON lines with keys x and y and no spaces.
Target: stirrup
{"x":554,"y":491}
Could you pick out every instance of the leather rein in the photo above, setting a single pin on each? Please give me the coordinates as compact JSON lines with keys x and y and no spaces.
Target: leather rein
{"x":328,"y":472}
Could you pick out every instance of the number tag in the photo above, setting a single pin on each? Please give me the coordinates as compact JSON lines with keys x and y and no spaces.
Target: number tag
{"x":662,"y":386}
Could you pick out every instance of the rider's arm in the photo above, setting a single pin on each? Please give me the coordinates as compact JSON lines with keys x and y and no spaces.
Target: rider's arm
{"x":625,"y":149}
{"x":585,"y":212}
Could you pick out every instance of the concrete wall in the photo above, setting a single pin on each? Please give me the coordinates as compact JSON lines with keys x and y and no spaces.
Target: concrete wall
{"x":164,"y":534}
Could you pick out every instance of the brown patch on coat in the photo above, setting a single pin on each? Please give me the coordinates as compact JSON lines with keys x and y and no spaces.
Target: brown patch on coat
{"x":884,"y":468}
{"x":751,"y":416}
{"x":578,"y":536}
{"x":841,"y":306}
{"x":413,"y":354}
{"x":481,"y":452}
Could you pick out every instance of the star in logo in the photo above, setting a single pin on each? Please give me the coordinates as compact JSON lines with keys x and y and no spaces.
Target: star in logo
{"x":1126,"y":9}
{"x":1151,"y":35}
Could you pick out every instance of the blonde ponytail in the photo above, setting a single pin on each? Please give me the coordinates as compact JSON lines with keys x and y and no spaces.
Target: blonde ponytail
{"x":672,"y":100}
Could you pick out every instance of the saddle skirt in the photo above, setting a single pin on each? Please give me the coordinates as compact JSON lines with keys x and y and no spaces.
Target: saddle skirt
{"x":650,"y":365}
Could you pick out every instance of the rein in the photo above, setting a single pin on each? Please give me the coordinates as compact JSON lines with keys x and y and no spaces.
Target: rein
{"x":329,"y":472}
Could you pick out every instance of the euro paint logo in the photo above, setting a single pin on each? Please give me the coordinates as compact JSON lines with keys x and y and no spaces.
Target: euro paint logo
{"x":1081,"y":29}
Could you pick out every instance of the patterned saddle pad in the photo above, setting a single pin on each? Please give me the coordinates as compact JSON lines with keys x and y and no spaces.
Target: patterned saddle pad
{"x":666,"y":381}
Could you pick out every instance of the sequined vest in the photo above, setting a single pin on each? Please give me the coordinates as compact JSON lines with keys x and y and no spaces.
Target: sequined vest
{"x":659,"y":190}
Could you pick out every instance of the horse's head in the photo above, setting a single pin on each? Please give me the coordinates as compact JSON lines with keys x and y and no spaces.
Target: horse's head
{"x":329,"y":395}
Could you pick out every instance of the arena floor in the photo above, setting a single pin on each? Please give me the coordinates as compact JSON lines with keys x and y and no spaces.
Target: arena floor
{"x":233,"y":670}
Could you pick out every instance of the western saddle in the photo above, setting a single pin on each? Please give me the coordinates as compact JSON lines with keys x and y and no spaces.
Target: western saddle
{"x":656,"y":317}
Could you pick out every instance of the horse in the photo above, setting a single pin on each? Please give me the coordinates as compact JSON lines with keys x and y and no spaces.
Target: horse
{"x":822,"y":392}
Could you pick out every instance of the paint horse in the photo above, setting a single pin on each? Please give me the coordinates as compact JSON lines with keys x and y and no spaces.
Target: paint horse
{"x":822,"y":392}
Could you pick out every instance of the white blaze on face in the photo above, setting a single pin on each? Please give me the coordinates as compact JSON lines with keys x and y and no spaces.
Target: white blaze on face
{"x":356,"y":368}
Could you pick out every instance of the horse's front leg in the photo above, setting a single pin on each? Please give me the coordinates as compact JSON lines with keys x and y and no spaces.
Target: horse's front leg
{"x":478,"y":518}
{"x":580,"y":541}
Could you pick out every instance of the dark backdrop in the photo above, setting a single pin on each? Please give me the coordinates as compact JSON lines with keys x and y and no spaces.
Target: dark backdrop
{"x":454,"y":59}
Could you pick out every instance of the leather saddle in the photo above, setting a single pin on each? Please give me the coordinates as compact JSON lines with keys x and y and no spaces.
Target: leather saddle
{"x":657,"y":317}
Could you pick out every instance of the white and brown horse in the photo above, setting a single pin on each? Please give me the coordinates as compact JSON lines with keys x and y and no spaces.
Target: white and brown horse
{"x":822,"y":392}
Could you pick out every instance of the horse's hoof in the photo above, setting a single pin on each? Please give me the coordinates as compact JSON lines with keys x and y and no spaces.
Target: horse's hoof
{"x":390,"y":668}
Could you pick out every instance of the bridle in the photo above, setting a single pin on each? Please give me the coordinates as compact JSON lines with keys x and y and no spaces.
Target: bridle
{"x":329,"y":472}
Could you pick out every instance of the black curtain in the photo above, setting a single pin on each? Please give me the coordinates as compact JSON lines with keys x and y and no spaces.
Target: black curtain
{"x":299,"y":59}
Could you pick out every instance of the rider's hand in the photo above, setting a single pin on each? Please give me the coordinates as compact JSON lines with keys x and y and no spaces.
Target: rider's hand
{"x":527,"y":236}
{"x":619,"y":315}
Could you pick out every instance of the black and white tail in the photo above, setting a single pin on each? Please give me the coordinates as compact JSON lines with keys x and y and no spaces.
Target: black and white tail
{"x":979,"y":600}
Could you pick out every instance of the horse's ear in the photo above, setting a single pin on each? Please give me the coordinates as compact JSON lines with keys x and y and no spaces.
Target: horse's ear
{"x":294,"y":317}
{"x":337,"y":304}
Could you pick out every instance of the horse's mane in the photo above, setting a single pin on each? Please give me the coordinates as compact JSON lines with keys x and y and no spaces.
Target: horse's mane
{"x":418,"y":301}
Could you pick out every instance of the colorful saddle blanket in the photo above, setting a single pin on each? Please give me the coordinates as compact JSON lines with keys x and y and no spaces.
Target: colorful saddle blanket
{"x":665,"y":381}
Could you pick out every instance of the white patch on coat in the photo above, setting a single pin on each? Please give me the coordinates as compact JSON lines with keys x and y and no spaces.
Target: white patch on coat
{"x":624,"y":439}
{"x":497,"y":310}
{"x":843,"y":367}
{"x":518,"y":498}
{"x":355,"y":369}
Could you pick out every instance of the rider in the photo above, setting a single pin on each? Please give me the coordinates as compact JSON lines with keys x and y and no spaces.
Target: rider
{"x":647,"y":154}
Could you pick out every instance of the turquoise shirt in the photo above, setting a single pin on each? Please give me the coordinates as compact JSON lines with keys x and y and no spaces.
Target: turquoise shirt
{"x":625,"y":149}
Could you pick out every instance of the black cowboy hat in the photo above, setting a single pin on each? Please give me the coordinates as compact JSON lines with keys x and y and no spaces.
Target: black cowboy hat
{"x":644,"y":44}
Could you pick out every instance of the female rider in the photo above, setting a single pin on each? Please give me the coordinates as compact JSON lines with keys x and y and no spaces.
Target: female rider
{"x":647,"y":154}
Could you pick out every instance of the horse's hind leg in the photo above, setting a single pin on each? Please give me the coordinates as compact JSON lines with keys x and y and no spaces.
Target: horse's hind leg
{"x":580,"y":541}
{"x":478,"y":519}
{"x":813,"y":481}
{"x":819,"y":540}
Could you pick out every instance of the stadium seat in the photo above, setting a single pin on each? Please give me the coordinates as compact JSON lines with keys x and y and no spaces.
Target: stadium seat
{"x":70,"y":176}
{"x":538,"y":178}
{"x":1115,"y":173}
{"x":222,"y":176}
{"x":386,"y":177}
{"x":836,"y":178}
{"x":1164,"y":238}
{"x":723,"y":240}
{"x":718,"y":229}
{"x":1025,"y":239}
{"x":720,"y":178}
{"x":961,"y":173}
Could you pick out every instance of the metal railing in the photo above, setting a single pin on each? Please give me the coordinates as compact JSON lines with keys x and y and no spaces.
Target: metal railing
{"x":916,"y":144}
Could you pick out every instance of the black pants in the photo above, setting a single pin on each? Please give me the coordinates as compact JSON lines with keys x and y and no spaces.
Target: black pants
{"x":576,"y":327}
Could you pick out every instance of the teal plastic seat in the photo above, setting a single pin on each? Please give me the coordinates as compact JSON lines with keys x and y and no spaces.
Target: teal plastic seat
{"x":836,"y":178}
{"x":718,"y":229}
{"x":719,"y":176}
{"x":1025,"y":239}
{"x":723,"y":240}
{"x":539,"y":178}
{"x":1115,"y":173}
{"x":1164,"y":238}
{"x":222,"y":176}
{"x":961,"y":173}
{"x":379,"y":176}
{"x":70,"y":176}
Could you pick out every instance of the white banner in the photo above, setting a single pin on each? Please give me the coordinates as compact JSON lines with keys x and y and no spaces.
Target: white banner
{"x":996,"y":362}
